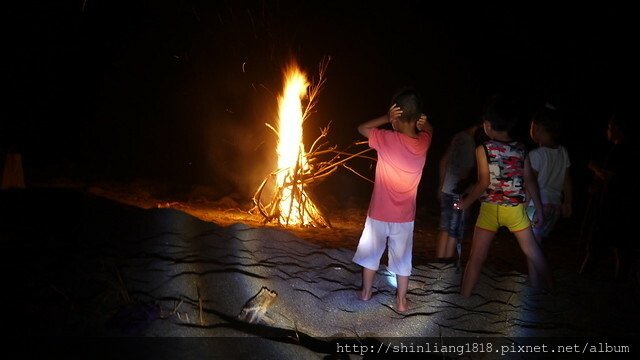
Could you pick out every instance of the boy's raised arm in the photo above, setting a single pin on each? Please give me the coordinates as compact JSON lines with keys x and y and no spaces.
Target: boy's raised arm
{"x":365,"y":128}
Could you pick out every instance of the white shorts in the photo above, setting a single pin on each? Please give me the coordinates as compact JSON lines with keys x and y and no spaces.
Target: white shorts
{"x":374,"y":240}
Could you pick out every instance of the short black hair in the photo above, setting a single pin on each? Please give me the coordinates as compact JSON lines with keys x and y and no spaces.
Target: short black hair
{"x":549,"y":119}
{"x":410,"y":101}
{"x":501,"y":112}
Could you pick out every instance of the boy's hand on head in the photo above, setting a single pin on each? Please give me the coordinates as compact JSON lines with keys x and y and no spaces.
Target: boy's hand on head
{"x":421,"y":122}
{"x":394,"y":113}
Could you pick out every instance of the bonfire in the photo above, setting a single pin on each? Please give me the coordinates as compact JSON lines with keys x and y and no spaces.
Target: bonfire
{"x":284,"y":195}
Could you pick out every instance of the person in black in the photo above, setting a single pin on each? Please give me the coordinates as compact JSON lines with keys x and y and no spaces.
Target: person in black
{"x":612,"y":195}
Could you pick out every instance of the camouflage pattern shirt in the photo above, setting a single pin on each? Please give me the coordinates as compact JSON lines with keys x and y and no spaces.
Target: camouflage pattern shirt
{"x":506,"y":171}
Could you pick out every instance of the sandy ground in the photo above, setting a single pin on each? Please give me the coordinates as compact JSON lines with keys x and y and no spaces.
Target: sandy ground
{"x":105,"y":260}
{"x":565,"y":250}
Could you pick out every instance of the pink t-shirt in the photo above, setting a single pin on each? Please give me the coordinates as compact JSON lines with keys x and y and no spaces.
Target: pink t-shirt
{"x":401,"y":159}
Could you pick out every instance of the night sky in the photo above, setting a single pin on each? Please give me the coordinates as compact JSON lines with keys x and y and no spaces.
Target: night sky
{"x":179,"y":91}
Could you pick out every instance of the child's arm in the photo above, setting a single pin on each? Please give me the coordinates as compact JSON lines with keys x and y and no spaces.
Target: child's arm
{"x":365,"y":128}
{"x":567,"y":191}
{"x":483,"y":180}
{"x":600,"y":173}
{"x":442,"y":168}
{"x":531,"y":186}
{"x":527,"y":195}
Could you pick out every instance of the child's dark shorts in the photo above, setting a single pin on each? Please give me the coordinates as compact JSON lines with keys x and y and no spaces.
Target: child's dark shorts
{"x":451,"y":220}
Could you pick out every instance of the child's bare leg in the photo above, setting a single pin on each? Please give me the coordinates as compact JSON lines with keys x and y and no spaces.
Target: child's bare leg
{"x":534,"y":277}
{"x":441,"y":245}
{"x":401,"y":293}
{"x":532,"y":251}
{"x":367,"y":284}
{"x":446,"y":246}
{"x":479,"y":250}
{"x":451,"y":247}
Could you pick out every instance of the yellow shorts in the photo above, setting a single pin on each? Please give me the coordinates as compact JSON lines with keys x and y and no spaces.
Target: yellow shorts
{"x":492,"y":216}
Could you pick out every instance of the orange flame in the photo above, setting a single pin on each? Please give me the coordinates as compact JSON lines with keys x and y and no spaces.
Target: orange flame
{"x":294,"y":204}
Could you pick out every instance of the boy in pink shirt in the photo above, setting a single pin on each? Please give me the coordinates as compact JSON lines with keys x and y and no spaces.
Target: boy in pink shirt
{"x":402,"y":153}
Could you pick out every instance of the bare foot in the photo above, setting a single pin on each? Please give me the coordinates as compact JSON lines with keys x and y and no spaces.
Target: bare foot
{"x":363,"y":295}
{"x":403,"y":305}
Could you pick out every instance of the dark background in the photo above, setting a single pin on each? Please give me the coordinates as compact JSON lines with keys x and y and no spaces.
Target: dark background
{"x":179,"y":91}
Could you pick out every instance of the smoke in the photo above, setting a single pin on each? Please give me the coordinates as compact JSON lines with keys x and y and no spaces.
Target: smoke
{"x":241,"y":152}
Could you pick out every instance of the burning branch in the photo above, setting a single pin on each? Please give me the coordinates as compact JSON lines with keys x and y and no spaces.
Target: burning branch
{"x":290,"y":202}
{"x":300,"y":181}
